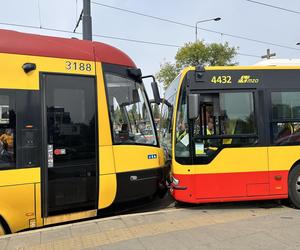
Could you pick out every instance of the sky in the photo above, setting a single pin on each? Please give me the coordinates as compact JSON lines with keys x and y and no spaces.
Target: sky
{"x":238,"y":18}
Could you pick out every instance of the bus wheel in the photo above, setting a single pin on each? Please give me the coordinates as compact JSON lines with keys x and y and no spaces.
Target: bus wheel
{"x":294,"y":187}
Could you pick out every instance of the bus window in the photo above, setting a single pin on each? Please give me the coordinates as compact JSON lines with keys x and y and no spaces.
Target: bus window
{"x":182,"y":129}
{"x":7,"y":132}
{"x":166,"y":120}
{"x":225,"y":119}
{"x":285,"y":118}
{"x":166,"y":129}
{"x":129,"y":112}
{"x":237,"y":111}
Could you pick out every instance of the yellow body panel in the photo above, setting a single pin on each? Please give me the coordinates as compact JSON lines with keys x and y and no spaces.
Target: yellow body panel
{"x":229,"y":160}
{"x":17,"y":192}
{"x":106,"y":160}
{"x":13,"y":76}
{"x":131,"y":158}
{"x":108,"y":190}
{"x":103,"y":115}
{"x":38,"y":205}
{"x":107,"y":178}
{"x":17,"y":205}
{"x":283,"y":157}
{"x":19,"y":176}
{"x":161,"y":157}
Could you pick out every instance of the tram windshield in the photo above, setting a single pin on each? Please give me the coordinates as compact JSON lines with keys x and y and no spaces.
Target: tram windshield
{"x":129,"y":111}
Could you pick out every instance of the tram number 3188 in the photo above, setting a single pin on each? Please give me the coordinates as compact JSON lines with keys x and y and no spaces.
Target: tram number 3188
{"x":78,"y":66}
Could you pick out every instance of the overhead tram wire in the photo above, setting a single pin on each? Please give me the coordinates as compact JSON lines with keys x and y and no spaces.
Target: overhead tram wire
{"x":37,"y":27}
{"x":161,"y":44}
{"x":192,"y":26}
{"x":108,"y":37}
{"x":274,"y":6}
{"x":39,"y":10}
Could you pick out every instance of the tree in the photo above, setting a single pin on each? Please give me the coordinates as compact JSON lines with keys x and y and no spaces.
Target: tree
{"x":155,"y":110}
{"x":197,"y":53}
{"x":167,"y":73}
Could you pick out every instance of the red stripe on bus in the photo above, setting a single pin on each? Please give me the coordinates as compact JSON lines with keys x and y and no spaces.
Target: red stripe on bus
{"x":202,"y":188}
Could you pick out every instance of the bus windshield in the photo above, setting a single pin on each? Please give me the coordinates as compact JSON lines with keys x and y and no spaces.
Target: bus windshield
{"x":129,"y":111}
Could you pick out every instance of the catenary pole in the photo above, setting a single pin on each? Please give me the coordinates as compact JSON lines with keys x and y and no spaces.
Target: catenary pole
{"x":87,"y":21}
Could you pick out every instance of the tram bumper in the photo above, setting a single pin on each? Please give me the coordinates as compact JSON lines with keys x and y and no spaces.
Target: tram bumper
{"x":140,"y":184}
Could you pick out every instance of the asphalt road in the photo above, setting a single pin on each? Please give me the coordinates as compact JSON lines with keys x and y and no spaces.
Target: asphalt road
{"x":168,"y":202}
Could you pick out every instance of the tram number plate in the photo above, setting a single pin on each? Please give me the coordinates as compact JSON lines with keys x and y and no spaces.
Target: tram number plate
{"x":78,"y":66}
{"x":221,"y":79}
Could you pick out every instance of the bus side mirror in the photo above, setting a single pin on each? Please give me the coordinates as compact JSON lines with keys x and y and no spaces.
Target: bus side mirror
{"x":193,"y":106}
{"x":156,"y":94}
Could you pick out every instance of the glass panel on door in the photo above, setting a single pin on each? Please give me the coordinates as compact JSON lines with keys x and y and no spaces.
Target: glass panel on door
{"x":71,"y":161}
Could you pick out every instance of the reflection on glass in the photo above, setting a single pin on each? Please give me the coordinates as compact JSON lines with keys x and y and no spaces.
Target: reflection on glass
{"x":129,"y":111}
{"x":71,"y":125}
{"x":166,"y":122}
{"x":166,"y":129}
{"x":228,"y":118}
{"x":7,"y":131}
{"x":182,"y":135}
{"x":285,"y":105}
{"x":286,"y":133}
{"x":286,"y":115}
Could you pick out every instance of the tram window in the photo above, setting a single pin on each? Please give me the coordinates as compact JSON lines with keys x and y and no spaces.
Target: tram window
{"x":285,"y":118}
{"x":129,"y":111}
{"x":7,"y":132}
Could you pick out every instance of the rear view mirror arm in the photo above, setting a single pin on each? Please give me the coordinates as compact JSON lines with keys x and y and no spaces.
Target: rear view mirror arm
{"x":155,"y":90}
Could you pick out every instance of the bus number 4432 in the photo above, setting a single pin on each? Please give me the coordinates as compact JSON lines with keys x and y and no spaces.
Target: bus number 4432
{"x":221,"y":79}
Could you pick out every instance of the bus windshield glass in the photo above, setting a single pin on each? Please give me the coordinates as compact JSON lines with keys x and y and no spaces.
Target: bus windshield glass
{"x":129,"y":111}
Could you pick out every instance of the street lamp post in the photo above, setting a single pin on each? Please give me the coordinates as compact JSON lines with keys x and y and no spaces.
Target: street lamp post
{"x":202,"y":21}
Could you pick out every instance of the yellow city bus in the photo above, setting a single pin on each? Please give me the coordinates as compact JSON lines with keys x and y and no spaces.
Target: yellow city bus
{"x":233,"y":133}
{"x":72,"y":131}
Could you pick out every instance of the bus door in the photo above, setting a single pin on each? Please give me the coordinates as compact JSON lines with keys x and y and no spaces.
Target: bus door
{"x":225,"y":135}
{"x":69,"y":144}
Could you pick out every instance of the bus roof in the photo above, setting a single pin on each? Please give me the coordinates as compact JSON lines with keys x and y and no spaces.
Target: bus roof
{"x":14,"y":42}
{"x":279,"y":62}
{"x":250,"y":67}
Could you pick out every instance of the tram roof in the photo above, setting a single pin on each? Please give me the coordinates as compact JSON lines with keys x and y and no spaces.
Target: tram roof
{"x":14,"y":42}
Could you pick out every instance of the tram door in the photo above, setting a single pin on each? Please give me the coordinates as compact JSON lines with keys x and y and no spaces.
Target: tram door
{"x":70,"y":144}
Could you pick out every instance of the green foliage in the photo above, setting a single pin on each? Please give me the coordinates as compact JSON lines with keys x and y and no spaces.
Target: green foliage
{"x":117,"y":114}
{"x":167,"y":73}
{"x":193,"y":54}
